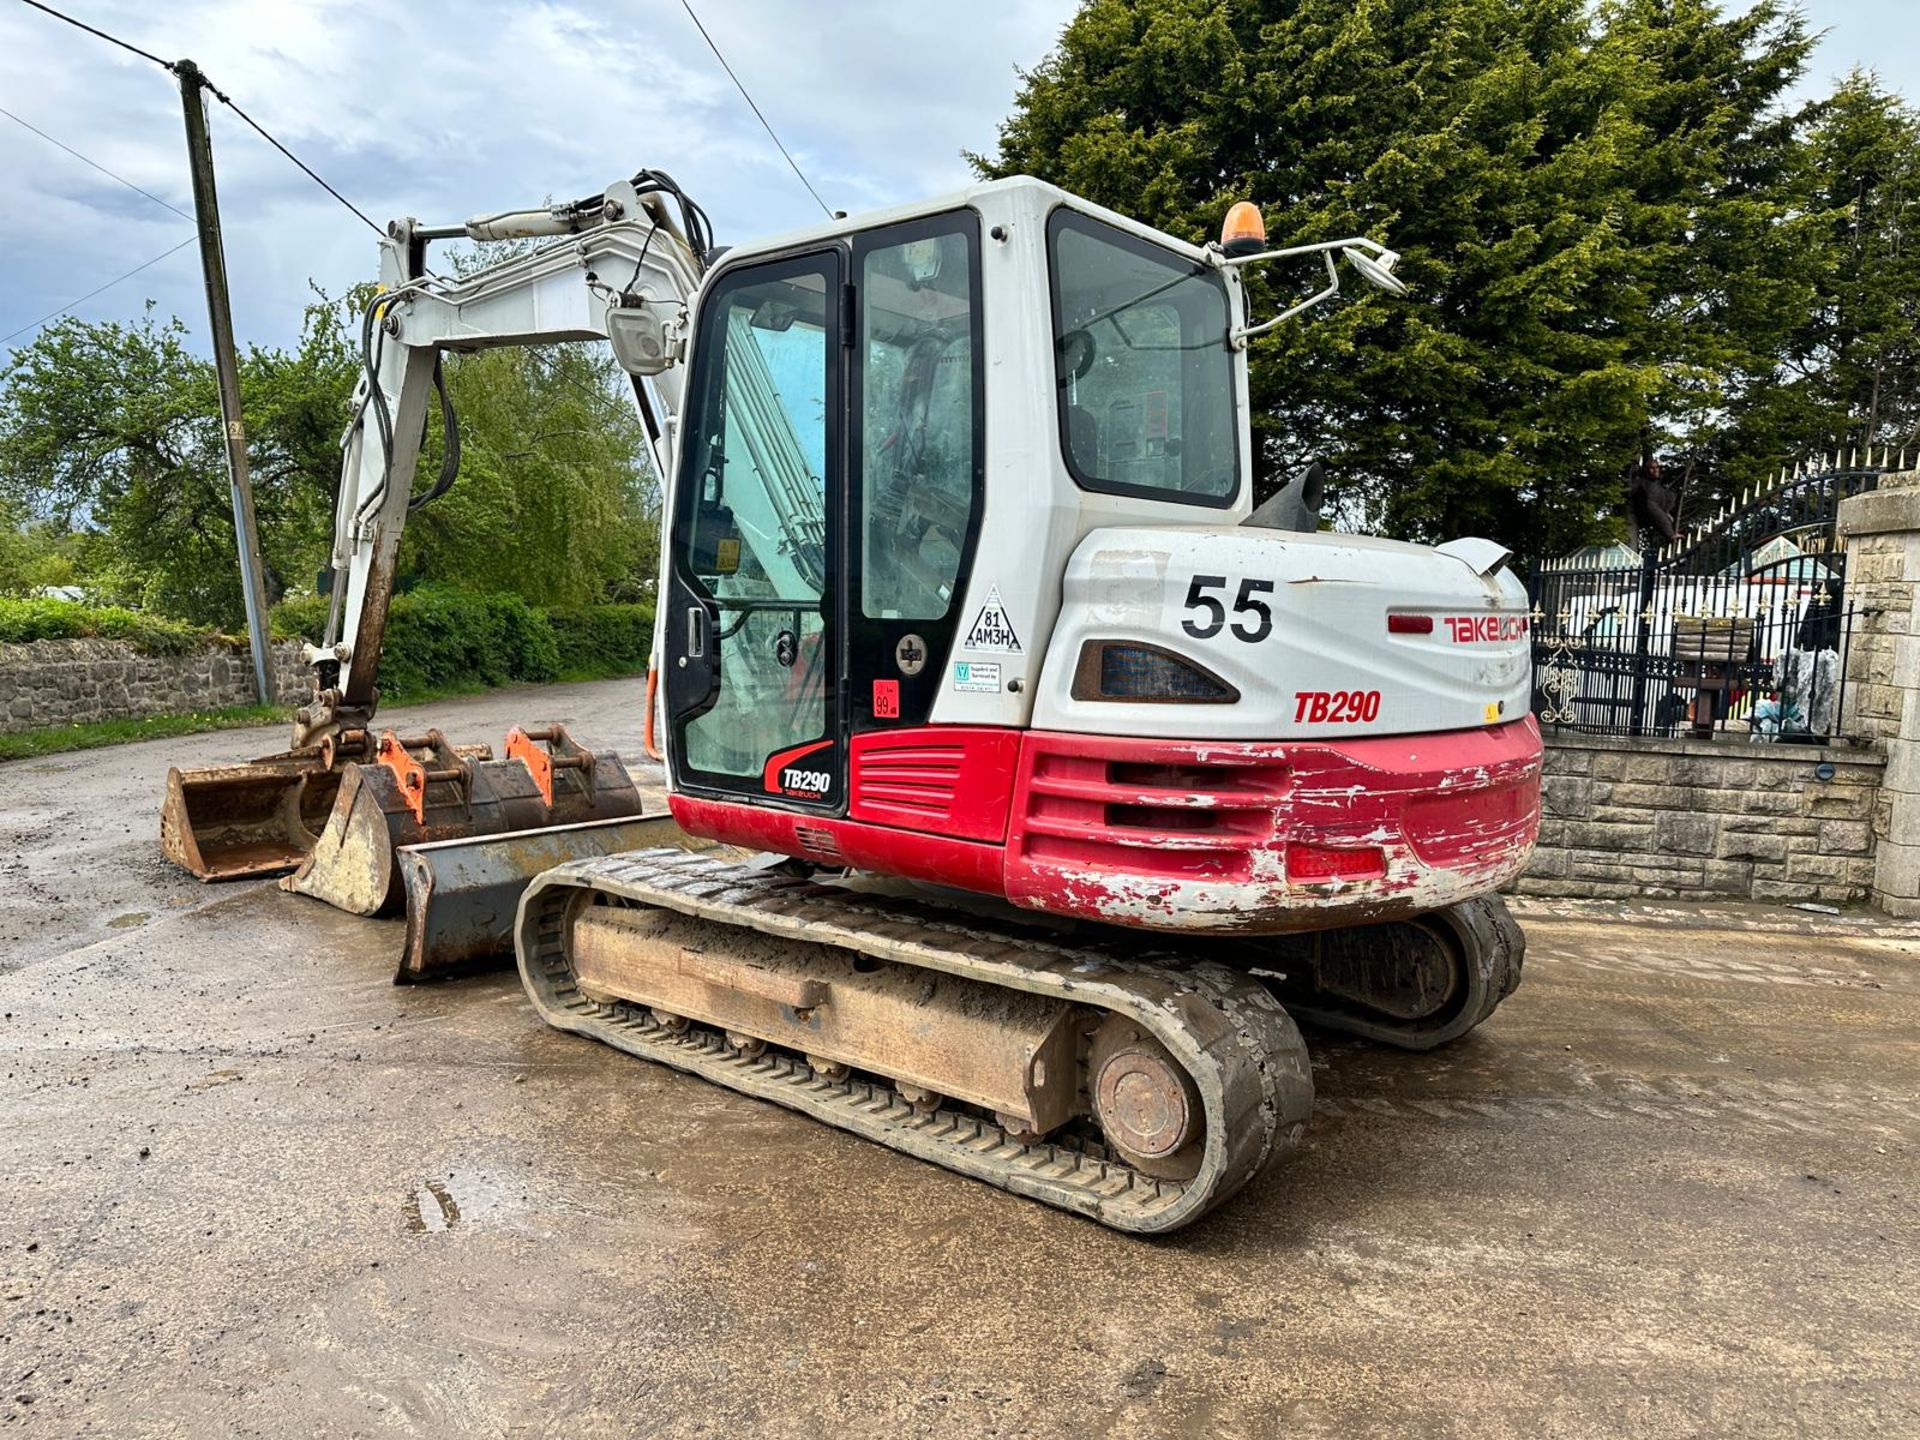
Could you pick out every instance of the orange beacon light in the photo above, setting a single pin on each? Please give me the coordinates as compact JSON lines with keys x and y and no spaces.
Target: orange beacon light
{"x":1244,"y":231}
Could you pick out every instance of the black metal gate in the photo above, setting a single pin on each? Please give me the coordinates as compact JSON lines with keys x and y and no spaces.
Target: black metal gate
{"x":1741,"y":624}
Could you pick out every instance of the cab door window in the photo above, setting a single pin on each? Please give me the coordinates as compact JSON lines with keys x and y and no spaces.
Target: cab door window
{"x":754,"y":528}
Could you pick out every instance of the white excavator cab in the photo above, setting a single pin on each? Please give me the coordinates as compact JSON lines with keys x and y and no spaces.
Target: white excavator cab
{"x":960,"y":495}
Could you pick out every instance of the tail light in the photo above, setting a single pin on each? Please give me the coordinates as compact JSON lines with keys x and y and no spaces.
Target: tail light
{"x":1317,"y":864}
{"x":1127,"y":670}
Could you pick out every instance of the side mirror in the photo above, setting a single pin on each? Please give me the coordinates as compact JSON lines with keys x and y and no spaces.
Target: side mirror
{"x":1372,"y":259}
{"x":1376,"y":270}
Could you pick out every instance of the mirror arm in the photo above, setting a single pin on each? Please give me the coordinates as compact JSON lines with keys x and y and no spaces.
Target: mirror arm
{"x":1245,"y":333}
{"x":1358,"y":242}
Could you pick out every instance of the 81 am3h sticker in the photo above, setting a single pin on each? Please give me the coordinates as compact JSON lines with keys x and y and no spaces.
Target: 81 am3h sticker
{"x":991,"y":629}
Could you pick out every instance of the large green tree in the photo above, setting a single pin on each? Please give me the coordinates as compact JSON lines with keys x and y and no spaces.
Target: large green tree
{"x":1846,"y":373}
{"x":555,"y":500}
{"x":112,"y":432}
{"x":1573,"y":189}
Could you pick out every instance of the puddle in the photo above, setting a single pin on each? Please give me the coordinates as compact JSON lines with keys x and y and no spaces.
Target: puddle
{"x":129,"y":920}
{"x":432,"y":1207}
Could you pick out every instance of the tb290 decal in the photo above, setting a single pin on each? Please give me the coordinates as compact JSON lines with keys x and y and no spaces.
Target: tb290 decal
{"x":1335,"y":707}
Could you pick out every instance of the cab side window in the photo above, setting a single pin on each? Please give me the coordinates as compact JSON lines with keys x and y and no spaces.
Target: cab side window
{"x":919,"y":423}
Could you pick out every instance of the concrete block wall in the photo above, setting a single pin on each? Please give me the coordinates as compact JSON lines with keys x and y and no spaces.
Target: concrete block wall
{"x":1628,"y":818}
{"x":73,"y":682}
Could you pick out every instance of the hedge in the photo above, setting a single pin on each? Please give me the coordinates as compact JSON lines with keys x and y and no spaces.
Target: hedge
{"x":24,"y":621}
{"x":440,"y":639}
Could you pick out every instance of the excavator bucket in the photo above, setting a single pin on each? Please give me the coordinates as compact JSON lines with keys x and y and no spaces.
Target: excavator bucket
{"x":232,"y":822}
{"x":422,"y":790}
{"x":260,"y":818}
{"x":462,"y":895}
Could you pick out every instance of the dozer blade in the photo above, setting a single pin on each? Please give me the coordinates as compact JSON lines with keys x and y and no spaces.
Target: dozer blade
{"x":462,"y":895}
{"x":423,"y":791}
{"x":229,"y":822}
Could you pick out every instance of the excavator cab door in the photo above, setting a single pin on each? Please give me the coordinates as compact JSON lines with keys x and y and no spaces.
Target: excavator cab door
{"x":752,"y":620}
{"x":826,"y":509}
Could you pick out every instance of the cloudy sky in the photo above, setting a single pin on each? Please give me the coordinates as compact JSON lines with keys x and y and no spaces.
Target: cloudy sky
{"x":445,"y":108}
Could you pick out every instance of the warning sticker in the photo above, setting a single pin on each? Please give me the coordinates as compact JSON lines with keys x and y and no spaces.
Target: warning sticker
{"x":991,"y":630}
{"x":978,"y":677}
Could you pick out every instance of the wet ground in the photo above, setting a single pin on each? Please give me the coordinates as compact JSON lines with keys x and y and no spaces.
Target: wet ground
{"x":247,"y":1187}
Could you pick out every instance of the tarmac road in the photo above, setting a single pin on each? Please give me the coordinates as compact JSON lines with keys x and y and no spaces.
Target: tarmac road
{"x":250,"y":1188}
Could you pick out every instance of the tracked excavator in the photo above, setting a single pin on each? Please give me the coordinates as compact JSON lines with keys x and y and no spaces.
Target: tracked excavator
{"x":1074,"y":779}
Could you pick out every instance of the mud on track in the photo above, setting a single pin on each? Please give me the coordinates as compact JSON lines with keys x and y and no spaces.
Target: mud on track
{"x":1668,"y":1190}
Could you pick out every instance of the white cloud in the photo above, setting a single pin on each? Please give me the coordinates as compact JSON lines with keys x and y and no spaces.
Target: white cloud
{"x":444,"y":109}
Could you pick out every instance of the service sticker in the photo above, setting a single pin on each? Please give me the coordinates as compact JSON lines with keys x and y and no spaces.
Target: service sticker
{"x":977,"y":677}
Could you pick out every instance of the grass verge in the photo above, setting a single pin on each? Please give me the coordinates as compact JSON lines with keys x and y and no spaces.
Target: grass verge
{"x":58,"y":739}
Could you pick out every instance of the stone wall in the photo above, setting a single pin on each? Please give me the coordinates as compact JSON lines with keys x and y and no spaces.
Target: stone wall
{"x":1625,"y":818}
{"x":72,"y":682}
{"x":1881,"y":530}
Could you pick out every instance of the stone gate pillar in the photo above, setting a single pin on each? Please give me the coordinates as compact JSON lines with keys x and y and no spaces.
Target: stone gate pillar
{"x":1882,"y":533}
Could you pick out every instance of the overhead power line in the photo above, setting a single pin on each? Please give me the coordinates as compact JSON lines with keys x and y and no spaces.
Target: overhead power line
{"x":173,"y":67}
{"x":88,"y":160}
{"x":110,"y":39}
{"x":791,"y":163}
{"x":55,"y":315}
{"x":311,"y":173}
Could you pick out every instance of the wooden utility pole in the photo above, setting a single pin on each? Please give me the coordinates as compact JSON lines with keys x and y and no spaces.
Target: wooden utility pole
{"x":213,"y":262}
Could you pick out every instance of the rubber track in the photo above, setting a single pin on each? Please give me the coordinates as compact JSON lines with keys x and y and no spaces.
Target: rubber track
{"x":1495,"y":947}
{"x":1245,"y":1055}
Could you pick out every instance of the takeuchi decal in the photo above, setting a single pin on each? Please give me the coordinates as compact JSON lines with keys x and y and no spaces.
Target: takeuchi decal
{"x":1486,"y":629}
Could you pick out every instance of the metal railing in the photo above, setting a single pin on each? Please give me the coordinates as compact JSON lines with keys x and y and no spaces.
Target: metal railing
{"x":1740,"y":627}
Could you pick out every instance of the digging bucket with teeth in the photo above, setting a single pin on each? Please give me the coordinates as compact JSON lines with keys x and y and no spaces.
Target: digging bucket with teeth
{"x":262,"y":817}
{"x":421,"y":790}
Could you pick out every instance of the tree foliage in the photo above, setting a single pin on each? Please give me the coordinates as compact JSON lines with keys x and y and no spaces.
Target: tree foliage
{"x":555,"y":502}
{"x":112,"y":472}
{"x":111,"y":432}
{"x":1620,"y":236}
{"x":1847,"y":369}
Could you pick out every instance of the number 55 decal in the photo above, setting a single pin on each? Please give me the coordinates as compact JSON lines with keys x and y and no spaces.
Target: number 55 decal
{"x":1244,"y":605}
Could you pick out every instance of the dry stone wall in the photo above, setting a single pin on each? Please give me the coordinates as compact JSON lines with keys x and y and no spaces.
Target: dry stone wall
{"x":1626,"y":818}
{"x":73,"y":682}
